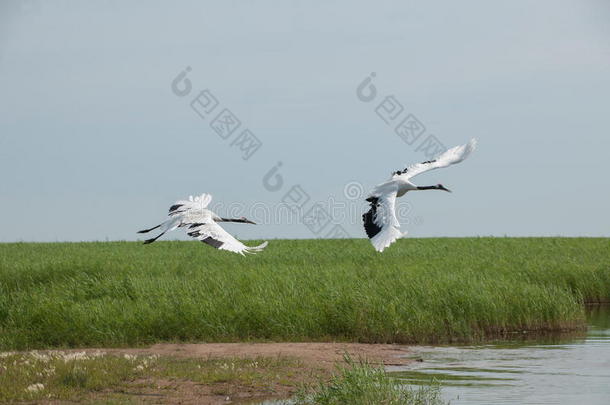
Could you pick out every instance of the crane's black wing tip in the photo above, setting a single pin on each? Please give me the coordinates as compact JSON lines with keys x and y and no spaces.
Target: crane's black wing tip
{"x":370,"y":227}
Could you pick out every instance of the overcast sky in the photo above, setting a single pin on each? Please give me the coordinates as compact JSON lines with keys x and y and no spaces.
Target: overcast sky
{"x":96,"y":142}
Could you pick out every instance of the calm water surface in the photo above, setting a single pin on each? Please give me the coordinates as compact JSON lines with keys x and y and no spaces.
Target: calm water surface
{"x":565,"y":372}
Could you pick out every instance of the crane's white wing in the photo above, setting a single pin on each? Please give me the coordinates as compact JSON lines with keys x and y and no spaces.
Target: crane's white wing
{"x":380,"y":222}
{"x":182,"y":212}
{"x":193,"y":205}
{"x":450,"y":157}
{"x":213,"y":234}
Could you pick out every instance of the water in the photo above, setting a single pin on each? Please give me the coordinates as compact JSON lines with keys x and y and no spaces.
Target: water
{"x":564,"y":372}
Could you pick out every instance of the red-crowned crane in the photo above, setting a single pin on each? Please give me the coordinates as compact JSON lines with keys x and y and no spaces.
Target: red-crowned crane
{"x":202,"y":224}
{"x":380,"y":222}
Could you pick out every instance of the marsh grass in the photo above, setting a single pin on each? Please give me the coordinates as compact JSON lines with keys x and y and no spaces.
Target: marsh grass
{"x":60,"y":375}
{"x":359,"y":383}
{"x":418,"y":291}
{"x":36,"y":376}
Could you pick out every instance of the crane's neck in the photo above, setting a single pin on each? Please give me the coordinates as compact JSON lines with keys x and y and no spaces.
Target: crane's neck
{"x":232,"y":220}
{"x":241,"y":220}
{"x":435,"y":187}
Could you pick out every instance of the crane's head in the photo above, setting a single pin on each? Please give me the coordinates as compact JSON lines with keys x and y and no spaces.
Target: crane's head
{"x":246,"y":221}
{"x":441,"y":187}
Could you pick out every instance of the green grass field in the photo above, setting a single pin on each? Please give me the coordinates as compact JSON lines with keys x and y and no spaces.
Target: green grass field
{"x":419,"y":290}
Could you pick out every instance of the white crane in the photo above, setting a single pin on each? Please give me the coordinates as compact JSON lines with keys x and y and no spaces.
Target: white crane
{"x":380,"y":222}
{"x":202,"y":224}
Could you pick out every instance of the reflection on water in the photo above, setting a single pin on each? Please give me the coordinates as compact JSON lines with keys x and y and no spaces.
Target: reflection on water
{"x":576,"y":371}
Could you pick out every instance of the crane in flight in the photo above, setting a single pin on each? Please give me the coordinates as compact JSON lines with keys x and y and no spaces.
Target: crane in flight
{"x":202,"y":224}
{"x":380,"y":222}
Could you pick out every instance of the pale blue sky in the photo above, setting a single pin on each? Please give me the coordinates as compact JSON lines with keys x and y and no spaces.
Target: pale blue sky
{"x":94,"y":145}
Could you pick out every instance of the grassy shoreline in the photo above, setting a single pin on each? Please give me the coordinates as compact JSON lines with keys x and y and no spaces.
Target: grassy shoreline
{"x":102,"y":377}
{"x":111,"y":294}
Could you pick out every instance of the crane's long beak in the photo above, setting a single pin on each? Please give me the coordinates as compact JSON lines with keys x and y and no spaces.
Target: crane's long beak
{"x":247,"y":221}
{"x":445,"y":189}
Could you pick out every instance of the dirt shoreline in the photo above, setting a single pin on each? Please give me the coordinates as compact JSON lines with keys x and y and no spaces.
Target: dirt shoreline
{"x":315,"y":361}
{"x":317,"y":354}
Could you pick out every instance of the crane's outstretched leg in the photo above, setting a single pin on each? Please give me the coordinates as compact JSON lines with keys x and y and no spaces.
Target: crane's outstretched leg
{"x":148,"y":241}
{"x":166,"y":226}
{"x":151,"y":229}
